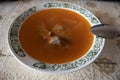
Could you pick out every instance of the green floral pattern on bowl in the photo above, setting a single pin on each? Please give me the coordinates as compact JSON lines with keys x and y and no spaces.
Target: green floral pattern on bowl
{"x":13,"y":32}
{"x":71,"y":66}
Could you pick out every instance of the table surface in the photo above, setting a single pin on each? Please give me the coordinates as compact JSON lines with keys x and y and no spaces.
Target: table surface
{"x":105,"y":67}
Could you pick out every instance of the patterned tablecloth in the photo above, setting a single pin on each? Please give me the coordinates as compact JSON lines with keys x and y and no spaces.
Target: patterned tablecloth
{"x":105,"y":67}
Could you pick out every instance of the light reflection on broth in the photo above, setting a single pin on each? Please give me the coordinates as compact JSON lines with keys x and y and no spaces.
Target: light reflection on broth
{"x":56,"y":36}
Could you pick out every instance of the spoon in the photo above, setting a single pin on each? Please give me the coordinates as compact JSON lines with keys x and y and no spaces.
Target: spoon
{"x":106,"y":31}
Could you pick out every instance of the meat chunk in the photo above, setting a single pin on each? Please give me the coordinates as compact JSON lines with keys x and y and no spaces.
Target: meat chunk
{"x":56,"y":37}
{"x":55,"y":41}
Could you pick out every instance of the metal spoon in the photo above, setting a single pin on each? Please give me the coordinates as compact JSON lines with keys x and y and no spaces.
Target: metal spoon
{"x":106,"y":31}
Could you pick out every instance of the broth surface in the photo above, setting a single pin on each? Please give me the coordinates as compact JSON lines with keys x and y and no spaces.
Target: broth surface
{"x":69,"y":31}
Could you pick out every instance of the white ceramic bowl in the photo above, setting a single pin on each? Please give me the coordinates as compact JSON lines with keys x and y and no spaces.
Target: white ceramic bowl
{"x":25,"y":59}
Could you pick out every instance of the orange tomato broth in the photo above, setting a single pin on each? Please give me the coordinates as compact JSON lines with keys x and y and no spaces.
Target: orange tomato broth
{"x":81,"y":38}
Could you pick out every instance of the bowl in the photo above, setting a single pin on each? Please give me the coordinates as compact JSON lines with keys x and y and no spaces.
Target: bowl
{"x":19,"y":53}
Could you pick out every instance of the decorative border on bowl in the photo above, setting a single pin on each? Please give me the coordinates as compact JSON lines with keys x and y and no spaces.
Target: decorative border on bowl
{"x":14,"y":42}
{"x":72,"y":65}
{"x":15,"y":46}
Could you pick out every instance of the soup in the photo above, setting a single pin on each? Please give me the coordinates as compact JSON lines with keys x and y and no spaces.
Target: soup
{"x":56,"y":36}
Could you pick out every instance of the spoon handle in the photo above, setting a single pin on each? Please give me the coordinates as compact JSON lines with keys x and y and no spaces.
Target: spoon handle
{"x":106,"y":31}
